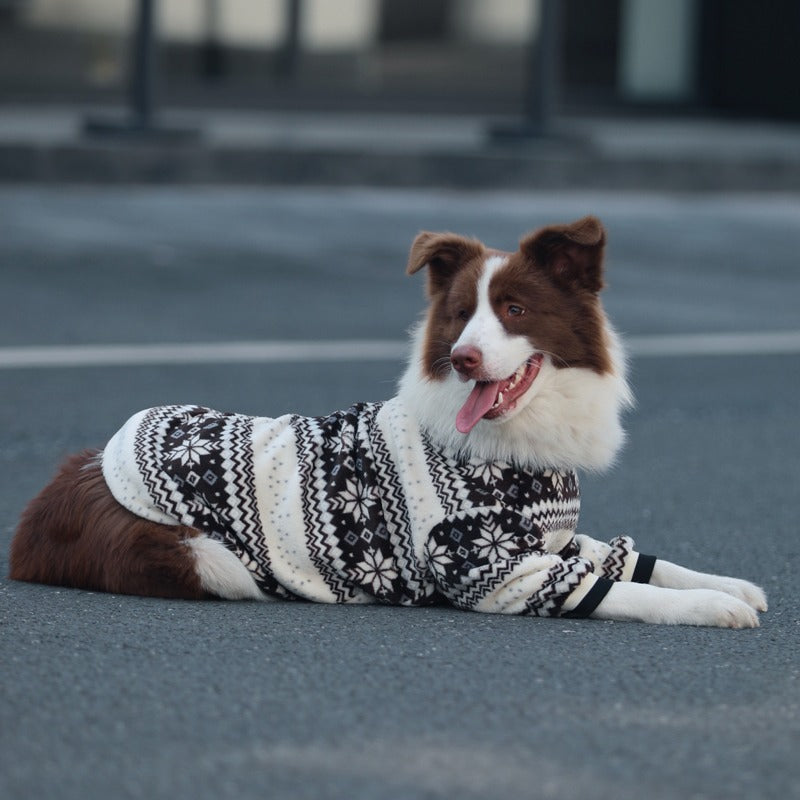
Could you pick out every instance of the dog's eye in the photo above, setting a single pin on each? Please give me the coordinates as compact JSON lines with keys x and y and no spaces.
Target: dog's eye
{"x":514,"y":310}
{"x":463,"y":314}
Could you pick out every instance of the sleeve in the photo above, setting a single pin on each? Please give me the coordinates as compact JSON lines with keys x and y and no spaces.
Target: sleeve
{"x":492,"y":559}
{"x":617,"y":560}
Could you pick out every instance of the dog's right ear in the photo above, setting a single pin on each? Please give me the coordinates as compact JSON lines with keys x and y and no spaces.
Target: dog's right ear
{"x":444,"y":254}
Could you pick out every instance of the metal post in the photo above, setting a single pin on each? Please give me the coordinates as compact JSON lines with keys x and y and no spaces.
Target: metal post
{"x":142,"y":74}
{"x":542,"y":78}
{"x":141,"y":88}
{"x":212,"y":53}
{"x":289,"y":52}
{"x":541,"y":92}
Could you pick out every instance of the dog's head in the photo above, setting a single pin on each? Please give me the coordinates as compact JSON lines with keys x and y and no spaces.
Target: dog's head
{"x":517,"y":350}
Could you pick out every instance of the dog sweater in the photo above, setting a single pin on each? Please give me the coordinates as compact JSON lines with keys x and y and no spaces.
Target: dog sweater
{"x":361,"y":507}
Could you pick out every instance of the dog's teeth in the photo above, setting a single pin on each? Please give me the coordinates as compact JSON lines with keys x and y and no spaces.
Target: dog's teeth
{"x":499,"y":400}
{"x":517,"y":376}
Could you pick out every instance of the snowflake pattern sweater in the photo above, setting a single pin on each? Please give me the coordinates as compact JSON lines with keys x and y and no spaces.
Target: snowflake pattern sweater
{"x":359,"y":507}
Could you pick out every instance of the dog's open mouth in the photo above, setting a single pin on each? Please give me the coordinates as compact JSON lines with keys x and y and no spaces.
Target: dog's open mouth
{"x":492,"y":399}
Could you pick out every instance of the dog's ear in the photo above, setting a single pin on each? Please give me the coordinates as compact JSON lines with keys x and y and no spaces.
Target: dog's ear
{"x":572,"y":255}
{"x":444,"y":254}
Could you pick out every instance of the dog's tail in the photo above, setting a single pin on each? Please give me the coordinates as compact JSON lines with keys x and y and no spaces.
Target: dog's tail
{"x":74,"y":533}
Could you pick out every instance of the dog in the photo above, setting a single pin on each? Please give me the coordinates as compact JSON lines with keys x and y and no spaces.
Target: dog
{"x":462,"y":489}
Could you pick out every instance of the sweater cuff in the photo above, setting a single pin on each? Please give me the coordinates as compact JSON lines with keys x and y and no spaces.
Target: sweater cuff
{"x":643,"y":570}
{"x":585,"y":599}
{"x":620,"y":563}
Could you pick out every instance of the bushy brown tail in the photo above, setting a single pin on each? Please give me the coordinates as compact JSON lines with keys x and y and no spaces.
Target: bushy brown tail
{"x":74,"y":533}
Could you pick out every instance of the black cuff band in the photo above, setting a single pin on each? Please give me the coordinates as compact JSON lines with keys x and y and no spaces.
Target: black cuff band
{"x":644,"y":569}
{"x":592,"y":599}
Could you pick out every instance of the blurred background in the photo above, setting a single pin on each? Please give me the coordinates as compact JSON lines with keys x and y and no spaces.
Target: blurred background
{"x":727,"y":57}
{"x":460,"y":76}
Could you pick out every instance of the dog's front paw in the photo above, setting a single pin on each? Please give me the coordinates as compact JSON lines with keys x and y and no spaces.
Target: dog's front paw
{"x":745,"y":591}
{"x":672,"y":576}
{"x":667,"y":606}
{"x":720,"y":609}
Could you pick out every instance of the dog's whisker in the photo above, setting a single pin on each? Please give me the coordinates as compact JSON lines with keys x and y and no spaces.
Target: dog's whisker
{"x":556,"y":358}
{"x":441,"y":366}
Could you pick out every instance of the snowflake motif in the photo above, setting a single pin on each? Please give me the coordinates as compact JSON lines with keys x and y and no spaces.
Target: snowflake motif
{"x":356,"y":499}
{"x":439,"y":560}
{"x":191,"y":449}
{"x":494,"y":544}
{"x":487,"y":471}
{"x":378,"y":571}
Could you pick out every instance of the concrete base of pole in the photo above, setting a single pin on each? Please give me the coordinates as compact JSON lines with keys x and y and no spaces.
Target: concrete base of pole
{"x":130,"y":128}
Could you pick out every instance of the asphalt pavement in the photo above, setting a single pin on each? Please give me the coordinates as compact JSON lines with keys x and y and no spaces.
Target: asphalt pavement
{"x":111,"y":696}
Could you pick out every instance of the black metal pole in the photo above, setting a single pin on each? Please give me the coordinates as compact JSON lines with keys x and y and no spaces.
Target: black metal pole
{"x":542,"y":78}
{"x":140,"y":121}
{"x":142,"y":84}
{"x":289,"y":51}
{"x":212,"y":54}
{"x":541,"y":90}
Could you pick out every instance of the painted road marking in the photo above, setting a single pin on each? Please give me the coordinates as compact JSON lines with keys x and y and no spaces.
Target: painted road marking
{"x":267,"y":352}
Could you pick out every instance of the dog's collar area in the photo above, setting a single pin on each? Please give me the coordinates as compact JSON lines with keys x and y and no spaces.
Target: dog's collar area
{"x":493,"y":399}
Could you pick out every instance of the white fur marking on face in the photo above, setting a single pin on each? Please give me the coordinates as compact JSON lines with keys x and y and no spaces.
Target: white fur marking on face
{"x":502,"y":352}
{"x":573,"y":422}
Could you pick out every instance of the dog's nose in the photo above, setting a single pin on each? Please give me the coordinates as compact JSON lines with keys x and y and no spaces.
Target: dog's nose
{"x":466,"y":359}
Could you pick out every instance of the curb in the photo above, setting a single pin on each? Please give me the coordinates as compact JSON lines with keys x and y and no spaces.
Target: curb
{"x":153,"y":163}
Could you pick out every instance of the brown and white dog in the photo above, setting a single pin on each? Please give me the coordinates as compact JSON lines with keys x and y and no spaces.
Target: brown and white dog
{"x":459,"y":489}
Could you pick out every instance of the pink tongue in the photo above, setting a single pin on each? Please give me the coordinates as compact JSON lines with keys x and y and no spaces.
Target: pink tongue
{"x":480,"y":400}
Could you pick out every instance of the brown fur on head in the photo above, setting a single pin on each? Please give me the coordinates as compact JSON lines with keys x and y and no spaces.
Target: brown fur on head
{"x":555,"y":277}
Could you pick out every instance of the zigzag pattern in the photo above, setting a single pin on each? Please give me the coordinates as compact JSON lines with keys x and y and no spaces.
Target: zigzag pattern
{"x":414,"y":577}
{"x":614,"y":563}
{"x":491,"y":577}
{"x":445,"y":482}
{"x":554,"y":514}
{"x":562,"y":578}
{"x":243,"y":516}
{"x":148,"y":447}
{"x":321,"y":536}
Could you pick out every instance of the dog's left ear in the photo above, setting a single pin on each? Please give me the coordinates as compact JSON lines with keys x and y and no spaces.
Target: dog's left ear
{"x":572,"y":255}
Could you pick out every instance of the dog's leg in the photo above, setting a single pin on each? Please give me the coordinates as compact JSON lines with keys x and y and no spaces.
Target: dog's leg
{"x":654,"y":590}
{"x":672,"y":576}
{"x":639,"y":602}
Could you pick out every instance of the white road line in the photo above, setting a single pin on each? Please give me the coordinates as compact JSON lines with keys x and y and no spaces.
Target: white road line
{"x":715,"y":344}
{"x":266,"y":352}
{"x":198,"y":353}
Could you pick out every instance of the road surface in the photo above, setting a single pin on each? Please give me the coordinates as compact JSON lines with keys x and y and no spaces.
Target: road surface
{"x":110,"y":696}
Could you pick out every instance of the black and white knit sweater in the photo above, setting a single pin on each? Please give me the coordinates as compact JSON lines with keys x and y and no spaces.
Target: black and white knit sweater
{"x":359,"y":507}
